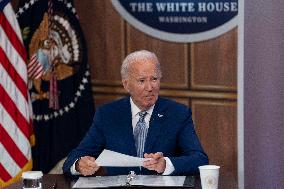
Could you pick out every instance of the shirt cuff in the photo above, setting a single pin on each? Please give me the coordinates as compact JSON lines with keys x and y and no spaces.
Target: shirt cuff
{"x":73,"y":169}
{"x":169,"y":167}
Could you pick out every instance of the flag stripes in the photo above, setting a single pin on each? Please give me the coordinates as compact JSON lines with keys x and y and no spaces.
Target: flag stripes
{"x":15,"y":111}
{"x":16,"y":77}
{"x":12,"y":148}
{"x":13,"y":55}
{"x":11,"y":127}
{"x":10,"y":107}
{"x":4,"y":174}
{"x":12,"y":91}
{"x":11,"y":166}
{"x":8,"y":22}
{"x":35,"y":69}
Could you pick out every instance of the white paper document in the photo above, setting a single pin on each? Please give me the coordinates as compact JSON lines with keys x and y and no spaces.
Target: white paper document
{"x":120,"y":180}
{"x":110,"y":158}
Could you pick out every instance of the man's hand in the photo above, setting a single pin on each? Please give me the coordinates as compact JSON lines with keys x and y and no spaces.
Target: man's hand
{"x":157,"y":163}
{"x":86,"y":165}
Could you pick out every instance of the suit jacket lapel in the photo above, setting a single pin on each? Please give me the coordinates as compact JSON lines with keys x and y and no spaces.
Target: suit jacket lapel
{"x":155,"y":125}
{"x":124,"y":118}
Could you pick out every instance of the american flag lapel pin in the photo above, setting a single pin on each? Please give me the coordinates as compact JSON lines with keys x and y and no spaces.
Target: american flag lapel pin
{"x":160,"y":115}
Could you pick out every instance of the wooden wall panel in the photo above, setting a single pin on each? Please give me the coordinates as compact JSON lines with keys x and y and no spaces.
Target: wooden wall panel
{"x":102,"y":99}
{"x":104,"y":31}
{"x":172,"y":56}
{"x":216,"y":126}
{"x":214,"y":63}
{"x":184,"y":101}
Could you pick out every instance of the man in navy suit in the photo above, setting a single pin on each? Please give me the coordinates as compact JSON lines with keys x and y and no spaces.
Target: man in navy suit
{"x":163,"y":131}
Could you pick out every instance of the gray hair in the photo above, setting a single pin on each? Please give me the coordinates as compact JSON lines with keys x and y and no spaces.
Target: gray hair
{"x":138,"y":56}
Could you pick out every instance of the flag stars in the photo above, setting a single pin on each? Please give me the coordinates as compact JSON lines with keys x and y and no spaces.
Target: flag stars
{"x":81,"y":87}
{"x":71,"y":105}
{"x":32,"y":2}
{"x":26,"y":5}
{"x":46,"y":117}
{"x":55,"y":114}
{"x":73,"y":10}
{"x":38,"y":117}
{"x":66,"y":109}
{"x":85,"y":80}
{"x":21,"y":10}
{"x":69,"y":5}
{"x":78,"y":93}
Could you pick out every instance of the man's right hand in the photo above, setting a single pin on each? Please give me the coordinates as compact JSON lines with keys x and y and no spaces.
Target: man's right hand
{"x":86,"y":165}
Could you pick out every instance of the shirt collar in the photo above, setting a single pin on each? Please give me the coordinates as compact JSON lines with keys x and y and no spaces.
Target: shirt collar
{"x":135,"y":110}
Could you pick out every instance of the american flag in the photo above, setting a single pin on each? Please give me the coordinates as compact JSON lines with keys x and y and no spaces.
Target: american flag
{"x":16,"y":134}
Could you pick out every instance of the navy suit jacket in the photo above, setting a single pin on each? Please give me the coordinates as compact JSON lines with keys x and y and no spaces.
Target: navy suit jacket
{"x":171,"y":131}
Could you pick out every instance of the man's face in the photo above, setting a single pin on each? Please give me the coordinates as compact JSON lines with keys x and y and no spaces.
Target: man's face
{"x":143,"y":83}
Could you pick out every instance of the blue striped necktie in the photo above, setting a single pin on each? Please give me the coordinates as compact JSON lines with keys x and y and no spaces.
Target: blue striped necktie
{"x":140,"y":134}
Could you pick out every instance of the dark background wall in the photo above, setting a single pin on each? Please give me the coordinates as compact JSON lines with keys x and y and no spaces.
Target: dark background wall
{"x":264,"y":94}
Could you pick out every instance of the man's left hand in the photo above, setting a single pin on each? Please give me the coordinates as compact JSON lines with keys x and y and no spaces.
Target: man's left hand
{"x":157,"y":163}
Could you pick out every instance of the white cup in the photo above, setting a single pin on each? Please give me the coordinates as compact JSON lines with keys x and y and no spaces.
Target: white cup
{"x":209,"y":175}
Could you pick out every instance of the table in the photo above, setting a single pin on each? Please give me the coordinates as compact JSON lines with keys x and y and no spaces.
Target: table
{"x":64,"y":182}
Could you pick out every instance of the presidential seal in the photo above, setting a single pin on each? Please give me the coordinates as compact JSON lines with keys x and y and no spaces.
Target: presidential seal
{"x":57,"y":56}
